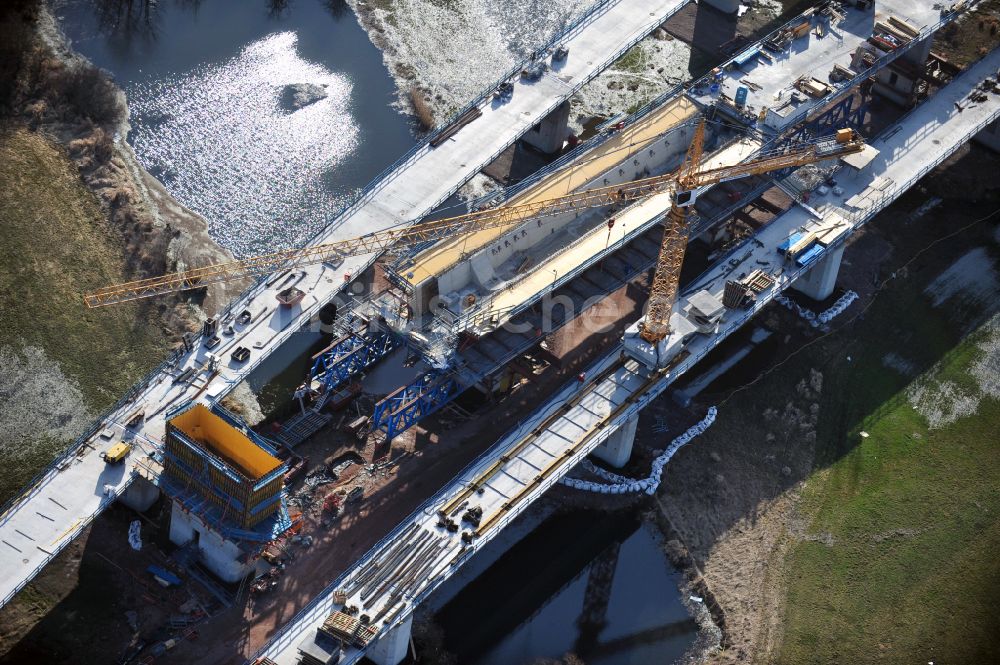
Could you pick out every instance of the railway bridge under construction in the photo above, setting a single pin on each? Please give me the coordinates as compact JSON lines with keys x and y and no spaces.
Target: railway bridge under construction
{"x":469,"y":307}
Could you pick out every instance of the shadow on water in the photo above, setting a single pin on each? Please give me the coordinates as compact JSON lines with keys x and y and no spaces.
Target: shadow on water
{"x":597,"y":585}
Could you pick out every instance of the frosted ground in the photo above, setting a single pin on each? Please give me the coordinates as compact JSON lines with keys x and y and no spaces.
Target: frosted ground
{"x":38,"y":402}
{"x":453,"y":50}
{"x":969,"y":286}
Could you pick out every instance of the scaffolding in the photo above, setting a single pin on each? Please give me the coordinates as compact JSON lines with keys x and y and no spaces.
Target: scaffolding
{"x":216,"y":467}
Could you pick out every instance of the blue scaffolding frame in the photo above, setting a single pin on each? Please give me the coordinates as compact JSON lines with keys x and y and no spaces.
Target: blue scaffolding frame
{"x":350,"y":355}
{"x":402,"y":409}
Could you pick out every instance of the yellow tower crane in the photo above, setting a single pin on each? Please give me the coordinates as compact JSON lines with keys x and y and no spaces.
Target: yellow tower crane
{"x":684,"y":184}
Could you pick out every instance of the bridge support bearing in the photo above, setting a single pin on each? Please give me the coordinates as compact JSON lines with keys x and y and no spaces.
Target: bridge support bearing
{"x":818,"y":283}
{"x":617,"y":448}
{"x":549,"y":134}
{"x":390,"y":649}
{"x":140,"y":495}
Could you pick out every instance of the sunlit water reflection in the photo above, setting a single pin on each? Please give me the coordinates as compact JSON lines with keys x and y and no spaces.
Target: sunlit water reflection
{"x":220,"y":140}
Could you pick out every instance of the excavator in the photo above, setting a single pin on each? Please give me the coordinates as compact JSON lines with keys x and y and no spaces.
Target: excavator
{"x":685,"y":185}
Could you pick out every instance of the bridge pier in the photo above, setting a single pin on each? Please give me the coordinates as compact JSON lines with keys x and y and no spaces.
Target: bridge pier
{"x":818,"y":283}
{"x":549,"y":134}
{"x":726,"y":6}
{"x":390,"y":649}
{"x":617,"y":448}
{"x":140,"y":495}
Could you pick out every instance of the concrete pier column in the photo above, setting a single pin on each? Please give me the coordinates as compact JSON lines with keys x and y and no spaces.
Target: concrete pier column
{"x":549,"y":134}
{"x":390,"y":649}
{"x":818,"y":283}
{"x":920,"y":51}
{"x":140,"y":495}
{"x":990,"y":136}
{"x":727,"y":6}
{"x":617,"y":448}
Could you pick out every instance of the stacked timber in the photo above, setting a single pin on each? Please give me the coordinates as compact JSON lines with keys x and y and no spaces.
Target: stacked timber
{"x":345,"y":628}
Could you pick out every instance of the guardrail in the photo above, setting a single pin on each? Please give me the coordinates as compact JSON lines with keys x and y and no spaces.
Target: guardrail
{"x":316,"y":606}
{"x":842,"y":87}
{"x":365,"y":194}
{"x":68,"y":537}
{"x":35,"y":484}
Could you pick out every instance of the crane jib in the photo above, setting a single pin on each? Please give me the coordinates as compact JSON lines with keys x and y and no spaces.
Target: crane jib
{"x":692,"y":181}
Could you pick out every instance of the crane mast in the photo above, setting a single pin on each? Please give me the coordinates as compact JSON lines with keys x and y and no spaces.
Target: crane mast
{"x":667,"y":273}
{"x":682,"y":184}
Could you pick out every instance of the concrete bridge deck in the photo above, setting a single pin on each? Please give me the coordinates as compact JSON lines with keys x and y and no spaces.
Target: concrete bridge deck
{"x":769,"y":79}
{"x":55,"y":508}
{"x":549,"y":442}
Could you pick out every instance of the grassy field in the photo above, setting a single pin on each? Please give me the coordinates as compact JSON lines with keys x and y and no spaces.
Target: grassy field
{"x":62,"y":362}
{"x":898,"y":560}
{"x":905,"y":570}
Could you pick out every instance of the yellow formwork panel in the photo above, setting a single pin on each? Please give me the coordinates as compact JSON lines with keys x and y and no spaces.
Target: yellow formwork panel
{"x":229,"y":443}
{"x":445,"y":254}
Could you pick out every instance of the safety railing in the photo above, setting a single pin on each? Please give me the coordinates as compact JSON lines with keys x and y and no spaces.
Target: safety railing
{"x":365,"y":194}
{"x":843,"y":87}
{"x":321,"y":602}
{"x":67,"y":538}
{"x":36,"y":483}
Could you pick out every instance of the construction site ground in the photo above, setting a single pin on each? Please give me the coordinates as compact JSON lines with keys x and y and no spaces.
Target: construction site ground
{"x":109,"y":578}
{"x":96,"y":601}
{"x":790,"y":417}
{"x":433,"y":455}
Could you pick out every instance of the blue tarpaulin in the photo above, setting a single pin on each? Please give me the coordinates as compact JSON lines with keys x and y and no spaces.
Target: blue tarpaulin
{"x":165,"y":575}
{"x":810,"y":254}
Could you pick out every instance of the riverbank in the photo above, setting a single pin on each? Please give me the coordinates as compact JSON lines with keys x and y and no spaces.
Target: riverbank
{"x":434,"y":78}
{"x":78,"y":213}
{"x":81,"y":214}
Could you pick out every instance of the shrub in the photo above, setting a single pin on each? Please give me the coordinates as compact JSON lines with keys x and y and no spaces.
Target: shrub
{"x":420,"y":108}
{"x":88,"y":90}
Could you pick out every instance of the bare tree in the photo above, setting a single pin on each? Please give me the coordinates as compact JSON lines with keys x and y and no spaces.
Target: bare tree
{"x":337,"y":8}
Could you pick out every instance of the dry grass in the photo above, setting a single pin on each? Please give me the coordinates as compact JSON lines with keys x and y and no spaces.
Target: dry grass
{"x":420,"y":108}
{"x":57,"y":245}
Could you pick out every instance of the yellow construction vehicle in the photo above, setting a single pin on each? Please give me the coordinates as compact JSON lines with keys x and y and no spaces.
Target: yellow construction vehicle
{"x":685,"y":185}
{"x":117,"y":453}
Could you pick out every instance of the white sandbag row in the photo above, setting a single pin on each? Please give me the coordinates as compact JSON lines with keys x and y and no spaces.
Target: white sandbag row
{"x":814,"y":319}
{"x":621,"y":484}
{"x":843,"y":302}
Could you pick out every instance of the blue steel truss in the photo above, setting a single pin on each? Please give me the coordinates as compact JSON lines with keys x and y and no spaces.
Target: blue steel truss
{"x":350,"y":355}
{"x":841,"y":115}
{"x":400,"y":410}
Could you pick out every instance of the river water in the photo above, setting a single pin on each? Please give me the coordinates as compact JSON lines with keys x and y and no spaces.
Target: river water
{"x":592,"y":584}
{"x":204,"y":81}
